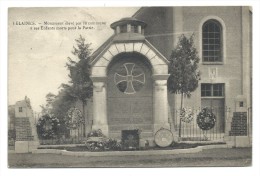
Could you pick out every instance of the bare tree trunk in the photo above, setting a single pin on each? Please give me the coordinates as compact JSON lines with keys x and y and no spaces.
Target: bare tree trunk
{"x":180,"y":112}
{"x":84,"y":120}
{"x":78,"y":133}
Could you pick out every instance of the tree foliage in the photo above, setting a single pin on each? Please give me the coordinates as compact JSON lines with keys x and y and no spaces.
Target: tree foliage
{"x":48,"y":127}
{"x":80,"y":86}
{"x":57,"y":107}
{"x":183,"y":67}
{"x":47,"y":109}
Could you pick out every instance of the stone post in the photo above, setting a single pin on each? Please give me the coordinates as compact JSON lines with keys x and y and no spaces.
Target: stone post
{"x":26,"y":135}
{"x":100,"y":105}
{"x":139,"y":29}
{"x":128,"y":27}
{"x":160,"y":103}
{"x":117,"y":29}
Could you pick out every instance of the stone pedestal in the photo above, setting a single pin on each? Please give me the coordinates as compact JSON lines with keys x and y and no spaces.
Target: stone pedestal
{"x":26,"y":136}
{"x":239,"y":134}
{"x":242,"y":141}
{"x":22,"y":147}
{"x":238,"y":141}
{"x":100,"y":106}
{"x":26,"y":146}
{"x":160,"y":103}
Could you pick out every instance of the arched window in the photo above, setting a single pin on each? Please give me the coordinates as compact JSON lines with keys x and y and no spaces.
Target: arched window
{"x":212,"y":41}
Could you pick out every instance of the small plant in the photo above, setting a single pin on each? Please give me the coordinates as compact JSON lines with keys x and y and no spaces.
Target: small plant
{"x":112,"y":144}
{"x":103,"y":145}
{"x":97,"y":141}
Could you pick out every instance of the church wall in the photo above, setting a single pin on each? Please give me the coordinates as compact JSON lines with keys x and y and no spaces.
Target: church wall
{"x":189,"y":20}
{"x":230,"y":72}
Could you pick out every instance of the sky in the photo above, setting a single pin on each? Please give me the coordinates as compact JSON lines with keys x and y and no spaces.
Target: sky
{"x":37,"y":57}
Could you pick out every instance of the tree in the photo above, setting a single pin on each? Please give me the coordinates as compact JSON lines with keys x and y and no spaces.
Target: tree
{"x":59,"y":108}
{"x":56,"y":107}
{"x":48,"y":127}
{"x":47,"y":109}
{"x":183,"y":69}
{"x":80,"y":85}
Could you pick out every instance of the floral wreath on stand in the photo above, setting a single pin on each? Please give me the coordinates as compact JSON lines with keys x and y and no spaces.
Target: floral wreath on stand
{"x":206,"y":119}
{"x":186,"y":115}
{"x":75,"y":118}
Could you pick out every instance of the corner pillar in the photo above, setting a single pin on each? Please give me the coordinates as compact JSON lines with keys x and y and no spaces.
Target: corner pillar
{"x":160,"y":102}
{"x":100,"y":105}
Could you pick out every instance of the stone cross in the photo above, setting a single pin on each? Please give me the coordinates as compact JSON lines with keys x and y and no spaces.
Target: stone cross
{"x":129,"y":78}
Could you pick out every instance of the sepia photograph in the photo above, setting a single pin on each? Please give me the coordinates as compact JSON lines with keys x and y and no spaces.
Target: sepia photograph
{"x":130,"y":87}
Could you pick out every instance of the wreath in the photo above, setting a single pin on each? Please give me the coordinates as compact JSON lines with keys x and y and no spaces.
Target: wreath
{"x":75,"y":118}
{"x":186,"y":115}
{"x":47,"y":127}
{"x":206,"y":119}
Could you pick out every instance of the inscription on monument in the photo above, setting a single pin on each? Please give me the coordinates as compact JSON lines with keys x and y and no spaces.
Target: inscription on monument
{"x":239,"y":124}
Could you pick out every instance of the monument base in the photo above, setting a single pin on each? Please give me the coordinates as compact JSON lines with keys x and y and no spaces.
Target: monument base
{"x":25,"y":146}
{"x":242,"y":141}
{"x":238,"y":141}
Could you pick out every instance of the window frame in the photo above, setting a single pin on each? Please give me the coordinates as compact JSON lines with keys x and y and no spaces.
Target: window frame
{"x":20,"y":109}
{"x":212,"y":95}
{"x":220,"y":44}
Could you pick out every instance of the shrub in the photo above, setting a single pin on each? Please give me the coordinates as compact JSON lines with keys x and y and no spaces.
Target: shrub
{"x":47,"y":127}
{"x":97,"y":141}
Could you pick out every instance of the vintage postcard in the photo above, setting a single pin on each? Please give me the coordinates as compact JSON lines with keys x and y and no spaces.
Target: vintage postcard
{"x":130,"y":87}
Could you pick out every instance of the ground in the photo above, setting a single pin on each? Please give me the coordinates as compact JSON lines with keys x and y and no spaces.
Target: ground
{"x":210,"y":157}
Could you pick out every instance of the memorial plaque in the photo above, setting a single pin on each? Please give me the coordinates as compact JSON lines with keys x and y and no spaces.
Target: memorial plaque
{"x":130,"y":139}
{"x":239,"y":124}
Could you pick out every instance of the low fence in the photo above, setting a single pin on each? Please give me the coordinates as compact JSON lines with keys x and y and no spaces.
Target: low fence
{"x":188,"y":129}
{"x":11,"y":137}
{"x":74,"y":136}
